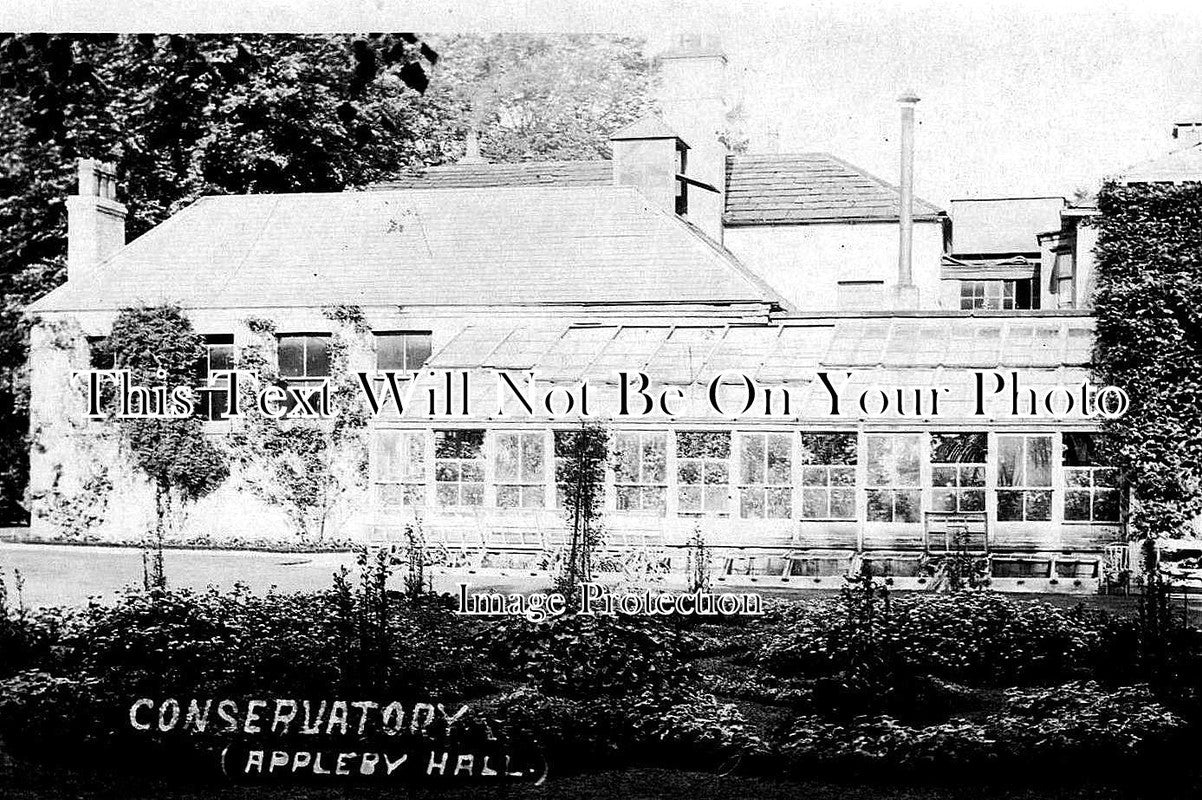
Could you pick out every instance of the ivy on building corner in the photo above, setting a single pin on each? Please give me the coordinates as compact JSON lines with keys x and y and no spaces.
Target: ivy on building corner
{"x":1149,"y":341}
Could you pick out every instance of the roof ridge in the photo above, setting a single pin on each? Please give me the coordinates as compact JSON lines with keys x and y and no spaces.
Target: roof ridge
{"x":454,"y":164}
{"x":799,"y":153}
{"x":721,"y":251}
{"x":890,"y":186}
{"x":479,"y":248}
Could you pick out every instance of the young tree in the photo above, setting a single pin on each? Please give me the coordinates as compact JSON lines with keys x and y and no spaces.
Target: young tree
{"x":159,"y":348}
{"x":581,"y":482}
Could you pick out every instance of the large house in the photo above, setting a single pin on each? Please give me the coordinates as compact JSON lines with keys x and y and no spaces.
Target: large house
{"x":676,"y":259}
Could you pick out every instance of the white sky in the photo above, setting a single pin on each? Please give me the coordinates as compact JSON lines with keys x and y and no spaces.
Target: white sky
{"x":1017,"y":99}
{"x":1020,"y":97}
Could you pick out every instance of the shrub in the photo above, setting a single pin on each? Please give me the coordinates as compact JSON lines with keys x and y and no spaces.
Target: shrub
{"x":40,"y":712}
{"x":582,"y":656}
{"x":26,"y":637}
{"x":573,"y":733}
{"x":979,"y":638}
{"x":1067,"y":730}
{"x":695,"y":729}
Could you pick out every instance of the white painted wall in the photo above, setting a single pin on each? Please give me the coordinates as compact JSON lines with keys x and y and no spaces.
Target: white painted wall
{"x":806,"y":262}
{"x":1087,"y":241}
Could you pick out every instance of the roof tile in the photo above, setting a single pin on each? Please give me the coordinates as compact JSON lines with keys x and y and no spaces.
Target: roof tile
{"x":515,"y":246}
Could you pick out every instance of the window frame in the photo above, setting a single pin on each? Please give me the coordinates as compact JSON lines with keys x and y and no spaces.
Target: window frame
{"x":828,"y":488}
{"x":705,"y":466}
{"x":644,"y":488}
{"x":206,"y":398}
{"x":765,"y":489}
{"x":958,"y":489}
{"x":306,"y":378}
{"x":479,"y":461}
{"x":413,"y":480}
{"x":533,"y":486}
{"x":1006,"y":296}
{"x":404,"y":335}
{"x":1023,"y":487}
{"x":1091,"y":489}
{"x":874,"y":489}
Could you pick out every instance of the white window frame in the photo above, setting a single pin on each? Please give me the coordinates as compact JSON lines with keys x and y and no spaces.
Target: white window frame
{"x":706,"y":466}
{"x":643,"y":486}
{"x":895,"y":489}
{"x":743,"y":484}
{"x":828,"y":488}
{"x":522,"y":483}
{"x":411,"y":477}
{"x":1023,"y":486}
{"x":459,"y":463}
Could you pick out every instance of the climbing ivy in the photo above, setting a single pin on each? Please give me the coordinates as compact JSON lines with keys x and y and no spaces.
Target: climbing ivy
{"x":307,"y":467}
{"x":160,"y":348}
{"x":1149,"y":341}
{"x":581,"y":482}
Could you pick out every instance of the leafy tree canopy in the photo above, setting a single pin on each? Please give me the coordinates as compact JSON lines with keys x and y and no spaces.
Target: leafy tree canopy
{"x":188,"y":115}
{"x":539,"y":98}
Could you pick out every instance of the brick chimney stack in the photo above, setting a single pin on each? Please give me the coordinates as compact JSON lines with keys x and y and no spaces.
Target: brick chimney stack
{"x":95,"y":220}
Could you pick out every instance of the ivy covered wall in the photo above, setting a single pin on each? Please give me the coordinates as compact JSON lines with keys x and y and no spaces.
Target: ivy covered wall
{"x":250,"y":478}
{"x":1149,"y":341}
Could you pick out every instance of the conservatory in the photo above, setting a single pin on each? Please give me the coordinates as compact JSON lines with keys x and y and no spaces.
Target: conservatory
{"x":794,"y":494}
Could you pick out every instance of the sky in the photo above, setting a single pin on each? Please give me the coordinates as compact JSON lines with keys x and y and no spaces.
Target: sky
{"x":1019,"y":97}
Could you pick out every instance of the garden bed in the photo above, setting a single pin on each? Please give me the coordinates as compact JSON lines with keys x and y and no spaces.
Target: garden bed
{"x":864,"y":686}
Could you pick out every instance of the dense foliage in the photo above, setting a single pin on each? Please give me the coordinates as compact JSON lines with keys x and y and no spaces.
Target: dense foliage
{"x":188,"y":115}
{"x":735,"y":694}
{"x":160,"y":348}
{"x":580,"y":481}
{"x":542,"y":97}
{"x":182,"y":116}
{"x":1149,"y":292}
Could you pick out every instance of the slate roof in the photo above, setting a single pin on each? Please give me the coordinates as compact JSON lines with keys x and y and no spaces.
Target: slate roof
{"x":527,"y":173}
{"x":519,"y":246}
{"x":1179,"y":166}
{"x":761,"y":189}
{"x":1003,"y":225}
{"x":809,"y":188}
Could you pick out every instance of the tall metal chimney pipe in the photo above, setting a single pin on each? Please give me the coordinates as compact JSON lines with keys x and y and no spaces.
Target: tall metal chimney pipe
{"x":907,"y":292}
